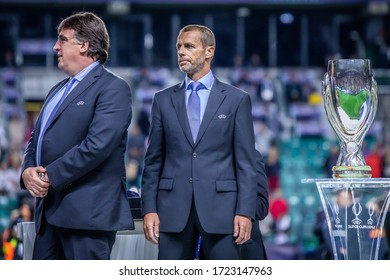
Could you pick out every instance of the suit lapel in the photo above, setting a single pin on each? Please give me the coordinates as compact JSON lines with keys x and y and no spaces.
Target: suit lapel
{"x":48,"y":98}
{"x":179,"y":104}
{"x":80,"y":88}
{"x":217,"y":95}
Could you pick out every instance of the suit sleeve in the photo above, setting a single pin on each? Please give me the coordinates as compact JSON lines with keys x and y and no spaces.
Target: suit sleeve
{"x":29,"y":158}
{"x":112,"y":117}
{"x":244,"y":151}
{"x":262,"y":203}
{"x":154,"y":159}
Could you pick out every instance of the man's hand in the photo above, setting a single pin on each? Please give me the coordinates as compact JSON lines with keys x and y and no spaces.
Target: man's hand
{"x":34,"y":183}
{"x":242,"y":229}
{"x":152,"y":227}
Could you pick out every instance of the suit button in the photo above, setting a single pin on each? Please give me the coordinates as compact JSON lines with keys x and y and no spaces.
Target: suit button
{"x":194,"y":154}
{"x":190,"y":180}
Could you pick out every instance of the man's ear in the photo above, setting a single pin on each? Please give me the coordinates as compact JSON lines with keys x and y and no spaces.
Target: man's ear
{"x":84,"y":47}
{"x":210,"y":52}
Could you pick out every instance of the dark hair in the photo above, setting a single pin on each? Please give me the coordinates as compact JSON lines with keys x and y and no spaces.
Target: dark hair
{"x":207,"y":37}
{"x":89,"y":28}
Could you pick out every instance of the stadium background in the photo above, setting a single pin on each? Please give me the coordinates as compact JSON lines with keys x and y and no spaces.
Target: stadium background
{"x":275,"y":50}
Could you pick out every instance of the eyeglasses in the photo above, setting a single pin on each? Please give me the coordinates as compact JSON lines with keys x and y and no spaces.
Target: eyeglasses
{"x":61,"y":39}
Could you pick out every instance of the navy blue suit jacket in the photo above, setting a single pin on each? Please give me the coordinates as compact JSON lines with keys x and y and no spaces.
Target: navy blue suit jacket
{"x":83,"y":151}
{"x":217,"y":172}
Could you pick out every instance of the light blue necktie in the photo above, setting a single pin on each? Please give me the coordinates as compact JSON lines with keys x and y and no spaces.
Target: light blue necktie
{"x":193,"y":108}
{"x":51,"y":116}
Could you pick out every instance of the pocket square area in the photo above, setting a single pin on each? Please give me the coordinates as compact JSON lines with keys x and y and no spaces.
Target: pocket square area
{"x":80,"y":103}
{"x":222,"y":116}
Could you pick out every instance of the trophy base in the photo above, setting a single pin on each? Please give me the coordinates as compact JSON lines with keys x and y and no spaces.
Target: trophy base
{"x":351,"y":171}
{"x":355,"y":211}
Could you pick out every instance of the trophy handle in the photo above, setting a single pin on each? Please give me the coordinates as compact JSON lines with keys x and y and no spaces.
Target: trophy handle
{"x":327,"y":90}
{"x":373,"y":104}
{"x":370,"y":118}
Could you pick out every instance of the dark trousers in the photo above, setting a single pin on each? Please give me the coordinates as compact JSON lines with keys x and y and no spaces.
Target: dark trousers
{"x":182,"y":245}
{"x":254,"y":248}
{"x":55,"y":243}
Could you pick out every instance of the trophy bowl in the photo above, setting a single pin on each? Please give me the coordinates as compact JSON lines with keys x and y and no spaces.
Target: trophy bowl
{"x":349,"y":92}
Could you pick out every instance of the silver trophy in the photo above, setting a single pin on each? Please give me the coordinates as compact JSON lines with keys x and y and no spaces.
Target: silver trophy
{"x":350,"y":99}
{"x":355,"y":204}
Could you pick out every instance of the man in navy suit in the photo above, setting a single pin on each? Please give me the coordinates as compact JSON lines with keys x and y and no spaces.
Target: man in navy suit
{"x":74,"y":161}
{"x":203,"y":183}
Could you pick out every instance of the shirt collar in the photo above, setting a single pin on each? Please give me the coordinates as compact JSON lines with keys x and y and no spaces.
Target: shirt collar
{"x":207,"y":80}
{"x":81,"y":75}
